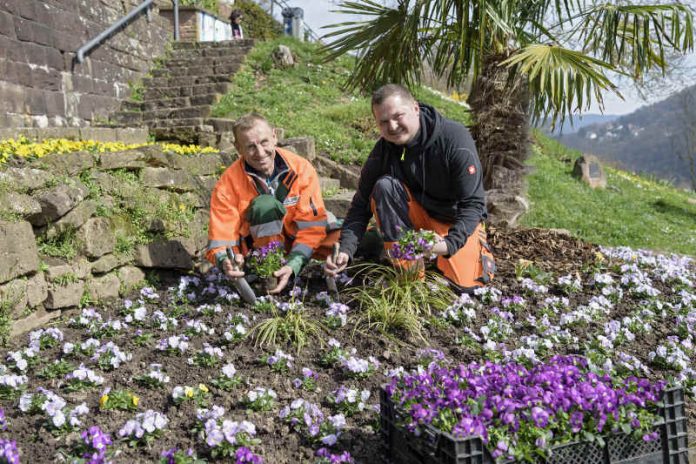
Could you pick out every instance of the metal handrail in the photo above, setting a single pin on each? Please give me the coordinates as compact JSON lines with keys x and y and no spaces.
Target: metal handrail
{"x":284,"y":4}
{"x":118,"y":24}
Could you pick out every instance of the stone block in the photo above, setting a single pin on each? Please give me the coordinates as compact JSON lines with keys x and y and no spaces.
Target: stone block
{"x":27,"y":10}
{"x":170,"y":254}
{"x":130,"y":159}
{"x":37,"y":290}
{"x":207,"y":164}
{"x":589,"y":169}
{"x":26,"y":178}
{"x":328,"y":184}
{"x":23,"y":30}
{"x":165,"y":178}
{"x":18,"y":253}
{"x":37,"y":319}
{"x":100,"y":134}
{"x":328,"y":167}
{"x":42,"y":34}
{"x":108,"y":263}
{"x":70,"y":133}
{"x":97,"y":237}
{"x":7,"y":25}
{"x":129,"y":276}
{"x":131,"y":135}
{"x":64,"y":296}
{"x":46,"y":80}
{"x":56,"y":202}
{"x":101,"y":288}
{"x":54,"y":59}
{"x":14,"y":294}
{"x":339,"y":204}
{"x":19,"y":204}
{"x":57,"y":268}
{"x":69,"y":164}
{"x":73,"y":219}
{"x":304,"y":146}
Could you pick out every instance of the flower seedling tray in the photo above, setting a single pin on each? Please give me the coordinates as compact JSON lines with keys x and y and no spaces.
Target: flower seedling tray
{"x":433,"y":446}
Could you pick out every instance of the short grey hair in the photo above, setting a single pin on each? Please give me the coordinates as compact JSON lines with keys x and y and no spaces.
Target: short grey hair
{"x":247,"y":122}
{"x":389,"y":90}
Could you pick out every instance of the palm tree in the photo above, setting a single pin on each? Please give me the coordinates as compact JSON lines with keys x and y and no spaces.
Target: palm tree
{"x":538,"y":59}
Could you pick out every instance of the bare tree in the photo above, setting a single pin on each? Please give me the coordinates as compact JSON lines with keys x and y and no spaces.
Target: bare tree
{"x":684,"y":139}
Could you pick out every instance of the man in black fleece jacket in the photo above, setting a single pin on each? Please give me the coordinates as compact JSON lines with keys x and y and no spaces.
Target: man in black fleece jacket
{"x":423,"y":173}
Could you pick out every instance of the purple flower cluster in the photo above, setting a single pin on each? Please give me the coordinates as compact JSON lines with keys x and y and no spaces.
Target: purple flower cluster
{"x":97,"y":443}
{"x":413,"y":245}
{"x":508,"y":404}
{"x":327,"y":457}
{"x":244,"y":455}
{"x":8,"y":451}
{"x":266,"y":260}
{"x":3,"y":420}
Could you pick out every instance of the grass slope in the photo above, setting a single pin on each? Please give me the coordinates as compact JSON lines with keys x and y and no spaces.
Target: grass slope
{"x":308,"y":100}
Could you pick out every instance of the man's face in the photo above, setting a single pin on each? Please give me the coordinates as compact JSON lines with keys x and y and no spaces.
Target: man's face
{"x":398,"y":119}
{"x":257,"y":147}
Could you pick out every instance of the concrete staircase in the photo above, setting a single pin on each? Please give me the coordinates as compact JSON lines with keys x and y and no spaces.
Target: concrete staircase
{"x":179,"y":96}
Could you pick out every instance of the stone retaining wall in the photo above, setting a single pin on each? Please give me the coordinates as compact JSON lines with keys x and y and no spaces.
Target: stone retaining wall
{"x":41,"y":85}
{"x":82,"y":227}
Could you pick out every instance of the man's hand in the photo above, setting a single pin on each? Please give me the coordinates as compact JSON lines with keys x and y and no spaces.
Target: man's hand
{"x":331,"y":268}
{"x":440,"y":247}
{"x":234,"y":271}
{"x":283,"y":275}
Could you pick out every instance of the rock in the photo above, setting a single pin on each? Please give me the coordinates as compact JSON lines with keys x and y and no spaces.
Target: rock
{"x":56,"y":202}
{"x":282,"y":57}
{"x":589,"y":169}
{"x":340,"y":203}
{"x":206,"y":164}
{"x":64,"y":296}
{"x":108,"y":263}
{"x":328,"y":184}
{"x":504,"y":209}
{"x":74,"y":219}
{"x":35,"y":320}
{"x":37,"y":290}
{"x":170,"y":254}
{"x":68,"y":163}
{"x":97,"y":237}
{"x":26,"y":178}
{"x":20,"y":204}
{"x":104,"y":287}
{"x":14,"y":293}
{"x":170,"y":179}
{"x":57,"y":268}
{"x":130,"y":159}
{"x":303,"y":146}
{"x":18,"y":253}
{"x":129,"y":276}
{"x":207,"y":184}
{"x":328,"y":167}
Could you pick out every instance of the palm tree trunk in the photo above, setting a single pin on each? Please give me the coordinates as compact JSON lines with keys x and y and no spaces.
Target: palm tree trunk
{"x":501,"y":125}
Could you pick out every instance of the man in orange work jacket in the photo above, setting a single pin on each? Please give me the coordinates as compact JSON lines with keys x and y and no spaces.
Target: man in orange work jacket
{"x":268,"y":194}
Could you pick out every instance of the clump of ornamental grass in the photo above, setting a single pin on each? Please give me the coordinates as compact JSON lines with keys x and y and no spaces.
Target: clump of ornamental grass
{"x":391,"y":303}
{"x":289,"y":322}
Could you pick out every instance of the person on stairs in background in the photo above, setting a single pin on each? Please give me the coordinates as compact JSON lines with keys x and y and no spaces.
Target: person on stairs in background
{"x":236,"y":22}
{"x":268,"y":194}
{"x":423,"y":173}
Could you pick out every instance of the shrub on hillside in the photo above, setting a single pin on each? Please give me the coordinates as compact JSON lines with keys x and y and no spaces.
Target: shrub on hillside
{"x":256,"y":22}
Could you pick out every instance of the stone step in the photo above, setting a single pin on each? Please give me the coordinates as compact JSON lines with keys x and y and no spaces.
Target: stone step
{"x":151,"y":82}
{"x":202,"y":61}
{"x":127,"y":118}
{"x":130,"y":105}
{"x":201,"y":111}
{"x":339,"y":203}
{"x":223,"y":69}
{"x":165,"y":123}
{"x":180,"y":102}
{"x":220,"y":124}
{"x":243,"y":43}
{"x":329,"y":184}
{"x":156,"y":93}
{"x":209,"y":53}
{"x":182,"y":134}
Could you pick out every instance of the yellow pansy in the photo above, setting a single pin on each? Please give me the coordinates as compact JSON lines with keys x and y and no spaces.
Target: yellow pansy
{"x":203,"y":388}
{"x":103,"y":400}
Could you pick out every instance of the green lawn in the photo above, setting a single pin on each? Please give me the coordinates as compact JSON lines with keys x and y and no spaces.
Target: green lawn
{"x":633,"y":211}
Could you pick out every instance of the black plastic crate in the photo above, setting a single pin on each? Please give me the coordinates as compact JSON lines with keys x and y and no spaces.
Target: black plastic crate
{"x":436,"y":447}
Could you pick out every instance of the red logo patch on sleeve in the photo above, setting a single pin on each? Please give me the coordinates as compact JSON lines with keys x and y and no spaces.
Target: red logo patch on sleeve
{"x":472,"y":169}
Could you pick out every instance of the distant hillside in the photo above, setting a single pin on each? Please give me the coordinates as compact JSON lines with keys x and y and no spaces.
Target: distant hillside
{"x":643,"y":141}
{"x":578,"y":123}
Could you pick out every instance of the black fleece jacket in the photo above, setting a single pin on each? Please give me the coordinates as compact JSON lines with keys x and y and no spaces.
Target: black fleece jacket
{"x":441,"y":168}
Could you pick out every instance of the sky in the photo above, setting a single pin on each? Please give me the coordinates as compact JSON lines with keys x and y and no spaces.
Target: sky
{"x":317,"y":13}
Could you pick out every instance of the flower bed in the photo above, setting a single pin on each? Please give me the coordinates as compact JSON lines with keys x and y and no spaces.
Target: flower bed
{"x":558,"y":412}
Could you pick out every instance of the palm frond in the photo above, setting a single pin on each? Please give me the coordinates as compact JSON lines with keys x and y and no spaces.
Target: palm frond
{"x":561,"y":81}
{"x":634,"y":37}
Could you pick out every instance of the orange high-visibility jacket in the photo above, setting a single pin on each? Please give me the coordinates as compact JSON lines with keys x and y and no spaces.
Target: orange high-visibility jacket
{"x":305,"y":219}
